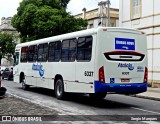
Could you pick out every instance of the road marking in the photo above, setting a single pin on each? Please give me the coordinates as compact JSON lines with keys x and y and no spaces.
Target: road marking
{"x":146,"y":110}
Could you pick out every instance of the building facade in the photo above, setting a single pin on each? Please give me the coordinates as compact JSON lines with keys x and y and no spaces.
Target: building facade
{"x":7,"y":27}
{"x":144,"y":15}
{"x":93,"y":17}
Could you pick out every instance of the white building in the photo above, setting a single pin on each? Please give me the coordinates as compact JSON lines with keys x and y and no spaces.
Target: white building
{"x":144,"y":15}
{"x":94,"y":19}
{"x":6,"y":26}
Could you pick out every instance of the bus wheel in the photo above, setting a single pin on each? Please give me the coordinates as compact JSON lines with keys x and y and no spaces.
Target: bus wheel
{"x":97,"y":95}
{"x":24,"y":85}
{"x":59,"y":89}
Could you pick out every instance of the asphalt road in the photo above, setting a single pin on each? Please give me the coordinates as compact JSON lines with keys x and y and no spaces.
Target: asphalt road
{"x":112,"y":107}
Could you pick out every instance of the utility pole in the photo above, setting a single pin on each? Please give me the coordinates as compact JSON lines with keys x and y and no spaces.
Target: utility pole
{"x":108,"y":13}
{"x":102,"y":12}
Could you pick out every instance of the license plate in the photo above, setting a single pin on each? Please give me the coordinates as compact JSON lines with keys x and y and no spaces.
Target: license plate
{"x":125,"y":80}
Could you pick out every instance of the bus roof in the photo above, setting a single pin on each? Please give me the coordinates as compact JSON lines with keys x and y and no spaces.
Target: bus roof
{"x":77,"y":34}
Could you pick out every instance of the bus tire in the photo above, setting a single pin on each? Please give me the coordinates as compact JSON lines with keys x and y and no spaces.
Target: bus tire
{"x":59,"y":89}
{"x":97,"y":95}
{"x":24,"y":85}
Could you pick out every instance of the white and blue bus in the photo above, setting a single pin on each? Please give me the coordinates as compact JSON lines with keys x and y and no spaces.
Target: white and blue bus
{"x":94,"y":61}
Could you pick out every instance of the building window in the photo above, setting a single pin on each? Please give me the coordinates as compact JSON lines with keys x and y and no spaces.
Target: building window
{"x":91,"y":26}
{"x":135,"y":9}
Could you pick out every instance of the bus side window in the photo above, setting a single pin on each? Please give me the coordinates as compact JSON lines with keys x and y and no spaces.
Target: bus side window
{"x":69,"y":50}
{"x":58,"y":51}
{"x":42,"y":52}
{"x":88,"y":49}
{"x":35,"y":53}
{"x":24,"y":54}
{"x":45,"y":52}
{"x":16,"y":58}
{"x":32,"y":53}
{"x":65,"y":50}
{"x":54,"y":51}
{"x":84,"y":48}
{"x":72,"y":49}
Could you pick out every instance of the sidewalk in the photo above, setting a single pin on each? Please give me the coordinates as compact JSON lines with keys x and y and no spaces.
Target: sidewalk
{"x":152,"y":93}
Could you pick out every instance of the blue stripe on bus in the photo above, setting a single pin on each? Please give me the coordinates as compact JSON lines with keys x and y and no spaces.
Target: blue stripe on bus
{"x":120,"y":88}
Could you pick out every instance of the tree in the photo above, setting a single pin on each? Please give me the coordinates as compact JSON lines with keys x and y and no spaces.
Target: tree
{"x":36,"y":19}
{"x":7,"y":46}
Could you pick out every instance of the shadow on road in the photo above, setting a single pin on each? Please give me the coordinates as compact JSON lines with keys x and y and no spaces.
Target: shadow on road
{"x":84,"y":99}
{"x":101,"y":103}
{"x":39,"y":90}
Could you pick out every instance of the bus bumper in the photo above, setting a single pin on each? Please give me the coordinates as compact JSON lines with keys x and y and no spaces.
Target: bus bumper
{"x":120,"y":88}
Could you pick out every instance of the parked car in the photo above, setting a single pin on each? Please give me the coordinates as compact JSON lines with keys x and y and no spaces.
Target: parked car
{"x":2,"y":68}
{"x":8,"y":73}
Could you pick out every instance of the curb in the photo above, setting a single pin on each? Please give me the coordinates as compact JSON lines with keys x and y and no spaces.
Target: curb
{"x":154,"y":91}
{"x":147,"y":97}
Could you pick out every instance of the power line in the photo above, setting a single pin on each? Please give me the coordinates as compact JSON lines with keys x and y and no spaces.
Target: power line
{"x":90,"y":4}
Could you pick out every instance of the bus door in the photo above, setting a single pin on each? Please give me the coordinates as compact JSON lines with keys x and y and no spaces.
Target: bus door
{"x":15,"y":69}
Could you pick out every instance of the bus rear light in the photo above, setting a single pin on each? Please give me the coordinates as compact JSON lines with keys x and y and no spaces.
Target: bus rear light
{"x":101,"y":74}
{"x":146,"y":75}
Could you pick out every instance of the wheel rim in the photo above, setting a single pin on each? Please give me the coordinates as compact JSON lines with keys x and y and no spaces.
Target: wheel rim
{"x":59,"y":89}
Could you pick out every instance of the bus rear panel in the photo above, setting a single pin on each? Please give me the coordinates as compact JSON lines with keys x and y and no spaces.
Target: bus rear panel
{"x":121,"y":61}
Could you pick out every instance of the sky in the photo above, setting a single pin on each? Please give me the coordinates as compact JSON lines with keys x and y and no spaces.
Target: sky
{"x":9,"y":7}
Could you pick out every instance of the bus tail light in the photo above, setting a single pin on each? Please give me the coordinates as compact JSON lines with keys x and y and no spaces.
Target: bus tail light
{"x":146,"y":75}
{"x":101,"y":74}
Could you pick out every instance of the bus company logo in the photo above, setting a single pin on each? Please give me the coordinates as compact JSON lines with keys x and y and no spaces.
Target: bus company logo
{"x":39,"y":68}
{"x":124,"y":44}
{"x":125,"y":65}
